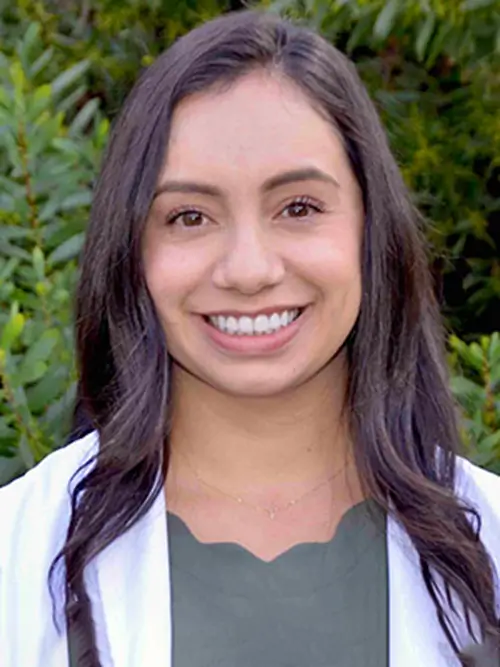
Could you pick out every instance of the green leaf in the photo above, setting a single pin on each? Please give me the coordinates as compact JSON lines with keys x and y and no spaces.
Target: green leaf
{"x":461,"y":386}
{"x":26,"y":452}
{"x":7,"y":268}
{"x":476,"y":357}
{"x":41,"y":62}
{"x":69,"y":102}
{"x":494,"y":351}
{"x":31,"y":38}
{"x":424,"y":36}
{"x":478,"y":4}
{"x":14,"y":189}
{"x":59,"y":412}
{"x":437,"y":44}
{"x":12,"y":330}
{"x":31,"y":369}
{"x":10,"y":143}
{"x":102,"y":131}
{"x":6,"y":430}
{"x":84,"y":116}
{"x":471,"y":354}
{"x":17,"y":77}
{"x":39,"y":263}
{"x":9,"y":250}
{"x":53,"y":383}
{"x":42,"y":100}
{"x":67,"y":250}
{"x":10,"y":468}
{"x":76,"y":200}
{"x":5,"y":101}
{"x":29,"y":374}
{"x":491,"y":442}
{"x":65,"y":145}
{"x":9,"y":232}
{"x":386,"y":18}
{"x":481,"y":457}
{"x":69,"y":77}
{"x":360,"y":32}
{"x":459,"y":346}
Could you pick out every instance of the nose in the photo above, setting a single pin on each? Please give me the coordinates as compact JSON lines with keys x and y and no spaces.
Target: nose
{"x":250,"y":262}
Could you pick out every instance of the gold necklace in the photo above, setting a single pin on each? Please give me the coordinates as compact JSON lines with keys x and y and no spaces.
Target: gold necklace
{"x":272,"y":511}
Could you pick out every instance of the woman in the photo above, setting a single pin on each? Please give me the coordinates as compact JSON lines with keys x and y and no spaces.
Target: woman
{"x":272,"y":476}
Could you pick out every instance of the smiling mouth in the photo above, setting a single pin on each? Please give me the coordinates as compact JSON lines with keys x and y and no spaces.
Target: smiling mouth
{"x":261,"y":325}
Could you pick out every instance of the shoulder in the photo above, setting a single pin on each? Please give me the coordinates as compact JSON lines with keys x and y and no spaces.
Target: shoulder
{"x":34,"y":517}
{"x":42,"y":495}
{"x":479,"y":486}
{"x":51,"y":474}
{"x":481,"y":489}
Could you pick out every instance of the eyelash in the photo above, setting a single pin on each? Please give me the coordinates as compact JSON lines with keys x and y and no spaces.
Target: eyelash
{"x":305,"y":201}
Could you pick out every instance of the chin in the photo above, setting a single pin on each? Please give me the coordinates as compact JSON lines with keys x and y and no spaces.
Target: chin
{"x":256,"y":387}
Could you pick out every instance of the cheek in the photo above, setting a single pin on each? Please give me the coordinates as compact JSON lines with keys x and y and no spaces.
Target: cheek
{"x":333,"y":264}
{"x":171,"y":275}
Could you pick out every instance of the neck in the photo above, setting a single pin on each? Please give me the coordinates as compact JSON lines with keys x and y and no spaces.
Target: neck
{"x":259,"y":445}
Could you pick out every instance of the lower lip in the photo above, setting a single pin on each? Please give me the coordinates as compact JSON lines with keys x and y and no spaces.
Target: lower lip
{"x":258,"y":344}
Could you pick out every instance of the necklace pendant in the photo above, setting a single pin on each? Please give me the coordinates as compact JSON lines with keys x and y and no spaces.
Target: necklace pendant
{"x":272,"y":513}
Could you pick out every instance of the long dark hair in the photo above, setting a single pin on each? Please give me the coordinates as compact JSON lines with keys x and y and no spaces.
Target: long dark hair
{"x":402,"y":416}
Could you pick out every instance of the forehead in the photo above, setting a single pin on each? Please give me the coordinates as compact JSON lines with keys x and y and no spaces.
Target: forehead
{"x":261,"y":124}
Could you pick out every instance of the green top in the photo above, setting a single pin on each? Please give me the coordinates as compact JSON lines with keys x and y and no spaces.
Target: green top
{"x":317,"y":604}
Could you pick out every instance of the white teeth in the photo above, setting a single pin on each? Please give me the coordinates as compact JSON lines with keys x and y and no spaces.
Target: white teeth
{"x":275,"y":322}
{"x":248,"y":326}
{"x":261,"y":324}
{"x":231,"y":325}
{"x":220,"y":322}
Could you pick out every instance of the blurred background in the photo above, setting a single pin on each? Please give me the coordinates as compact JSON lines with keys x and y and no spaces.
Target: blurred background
{"x":433,"y":69}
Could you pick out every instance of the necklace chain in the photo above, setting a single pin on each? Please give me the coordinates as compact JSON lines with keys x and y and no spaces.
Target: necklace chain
{"x":270,"y":511}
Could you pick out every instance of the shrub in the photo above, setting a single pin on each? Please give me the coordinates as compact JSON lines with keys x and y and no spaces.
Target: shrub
{"x":116,"y":37}
{"x":476,"y":385}
{"x":46,"y":172}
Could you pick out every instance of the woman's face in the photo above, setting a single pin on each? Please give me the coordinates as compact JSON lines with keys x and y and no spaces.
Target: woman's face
{"x":253,"y":242}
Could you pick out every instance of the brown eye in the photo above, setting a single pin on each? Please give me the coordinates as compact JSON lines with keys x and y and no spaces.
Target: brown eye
{"x":299,"y":210}
{"x":303,"y":208}
{"x":186,"y":218}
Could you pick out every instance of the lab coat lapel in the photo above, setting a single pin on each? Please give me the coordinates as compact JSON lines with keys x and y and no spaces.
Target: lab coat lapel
{"x":415,"y":636}
{"x":131,"y":585}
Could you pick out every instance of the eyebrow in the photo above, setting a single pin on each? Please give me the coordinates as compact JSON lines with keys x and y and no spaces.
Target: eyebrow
{"x":293,"y":176}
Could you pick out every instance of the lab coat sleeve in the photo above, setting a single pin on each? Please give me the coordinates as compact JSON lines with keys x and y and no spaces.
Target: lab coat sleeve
{"x":13,"y":499}
{"x":482,"y":489}
{"x":34,"y":516}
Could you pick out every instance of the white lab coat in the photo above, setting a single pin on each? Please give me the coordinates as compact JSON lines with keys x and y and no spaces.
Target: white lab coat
{"x":128,"y":582}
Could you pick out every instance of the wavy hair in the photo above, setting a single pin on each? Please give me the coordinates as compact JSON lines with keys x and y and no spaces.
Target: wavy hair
{"x":399,"y":403}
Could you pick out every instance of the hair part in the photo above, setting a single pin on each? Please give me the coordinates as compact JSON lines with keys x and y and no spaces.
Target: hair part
{"x":402,"y":415}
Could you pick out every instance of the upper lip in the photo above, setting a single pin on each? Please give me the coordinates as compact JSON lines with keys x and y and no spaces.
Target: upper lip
{"x":253,"y":313}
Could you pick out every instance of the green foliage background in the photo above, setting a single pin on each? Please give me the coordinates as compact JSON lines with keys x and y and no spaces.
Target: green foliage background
{"x":433,"y":68}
